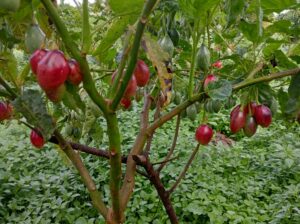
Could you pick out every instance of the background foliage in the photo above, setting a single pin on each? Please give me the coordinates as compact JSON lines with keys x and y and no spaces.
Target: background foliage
{"x":255,"y":181}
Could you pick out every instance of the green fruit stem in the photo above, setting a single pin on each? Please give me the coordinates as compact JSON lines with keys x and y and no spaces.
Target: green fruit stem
{"x":134,"y":52}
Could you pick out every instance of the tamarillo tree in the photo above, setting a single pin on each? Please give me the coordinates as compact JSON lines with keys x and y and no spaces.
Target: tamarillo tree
{"x":183,"y":57}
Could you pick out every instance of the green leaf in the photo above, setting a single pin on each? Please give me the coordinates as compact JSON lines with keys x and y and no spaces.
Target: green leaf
{"x":81,"y":220}
{"x":8,"y":66}
{"x":126,"y":7}
{"x":294,"y":88}
{"x":277,"y":5}
{"x":31,"y":105}
{"x":219,"y":90}
{"x":197,"y":8}
{"x":115,"y":31}
{"x":284,"y":61}
{"x":270,"y":48}
{"x":283,"y":98}
{"x":250,"y":31}
{"x":234,"y":9}
{"x":281,"y":26}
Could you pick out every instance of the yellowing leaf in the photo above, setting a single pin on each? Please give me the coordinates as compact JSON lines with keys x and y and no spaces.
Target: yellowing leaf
{"x":160,"y":61}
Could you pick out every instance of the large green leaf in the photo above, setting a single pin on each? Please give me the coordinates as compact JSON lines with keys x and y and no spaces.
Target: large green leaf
{"x":31,"y":105}
{"x":197,"y":8}
{"x":281,"y":26}
{"x":123,"y":7}
{"x":234,"y":9}
{"x":277,"y":5}
{"x":250,"y":31}
{"x":219,"y":90}
{"x":115,"y":31}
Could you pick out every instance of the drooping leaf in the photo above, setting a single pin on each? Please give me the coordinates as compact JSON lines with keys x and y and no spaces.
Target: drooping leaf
{"x":219,"y":90}
{"x":31,"y":105}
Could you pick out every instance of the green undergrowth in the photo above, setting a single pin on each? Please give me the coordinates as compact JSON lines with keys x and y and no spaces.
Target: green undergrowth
{"x":255,"y":181}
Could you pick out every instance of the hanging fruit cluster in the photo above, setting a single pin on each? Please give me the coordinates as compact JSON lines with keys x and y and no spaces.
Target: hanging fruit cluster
{"x":140,"y":78}
{"x":52,"y":70}
{"x":249,"y":117}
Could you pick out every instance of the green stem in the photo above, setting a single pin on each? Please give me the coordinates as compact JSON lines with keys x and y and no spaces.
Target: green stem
{"x":195,"y":38}
{"x":115,"y":164}
{"x":121,"y":66}
{"x":88,"y":82}
{"x":134,"y":52}
{"x":7,"y":87}
{"x":84,"y":173}
{"x":86,"y":31}
{"x":249,"y":82}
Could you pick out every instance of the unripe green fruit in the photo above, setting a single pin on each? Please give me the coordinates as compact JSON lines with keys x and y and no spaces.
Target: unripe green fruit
{"x":203,"y":58}
{"x":34,"y":38}
{"x":191,"y":112}
{"x":167,"y":45}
